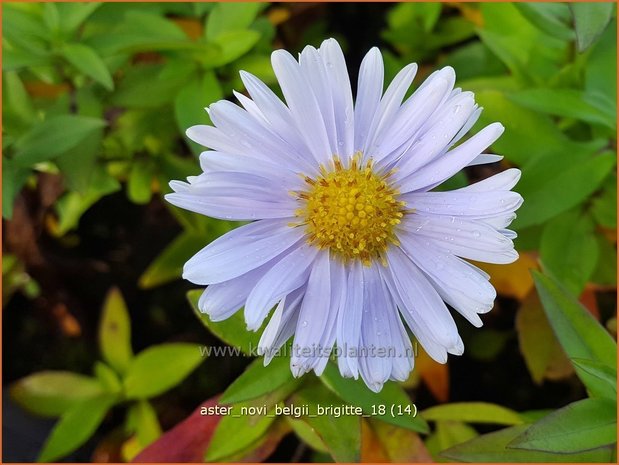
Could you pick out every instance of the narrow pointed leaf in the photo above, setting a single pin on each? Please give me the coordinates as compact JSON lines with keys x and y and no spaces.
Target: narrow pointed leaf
{"x":492,"y":448}
{"x":115,"y":332}
{"x":584,"y":425}
{"x":75,"y":427}
{"x":580,"y":335}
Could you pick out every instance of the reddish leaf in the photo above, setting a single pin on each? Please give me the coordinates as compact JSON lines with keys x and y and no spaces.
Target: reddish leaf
{"x":186,"y":442}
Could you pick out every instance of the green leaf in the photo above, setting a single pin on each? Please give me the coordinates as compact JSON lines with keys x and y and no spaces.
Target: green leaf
{"x":581,"y":426}
{"x":75,"y":427}
{"x":520,"y":123}
{"x":86,"y":60}
{"x":569,"y":249}
{"x":529,"y":53}
{"x":79,"y":163}
{"x":13,"y":179}
{"x":115,"y":332}
{"x":600,"y":379}
{"x":237,"y":431}
{"x":590,"y":20}
{"x":547,"y":198}
{"x":72,"y":15}
{"x":601,"y":68}
{"x":15,"y":59}
{"x":578,"y":332}
{"x":226,"y":17}
{"x":52,"y":393}
{"x":169,"y":264}
{"x":421,"y":14}
{"x":606,"y":271}
{"x":24,"y":29}
{"x":139,"y":185}
{"x":492,"y":448}
{"x":568,"y":103}
{"x":548,"y":17}
{"x":538,"y":344}
{"x":191,"y":102}
{"x":258,"y":380}
{"x":232,"y":331}
{"x":51,"y":18}
{"x":604,"y":206}
{"x":307,"y":434}
{"x":473,"y":412}
{"x":53,"y":137}
{"x":107,"y":377}
{"x":150,"y":86}
{"x":159,"y":368}
{"x":72,"y":205}
{"x":447,"y":434}
{"x":340,"y":434}
{"x":142,"y":419}
{"x":17,"y":103}
{"x":233,"y":45}
{"x":356,"y":393}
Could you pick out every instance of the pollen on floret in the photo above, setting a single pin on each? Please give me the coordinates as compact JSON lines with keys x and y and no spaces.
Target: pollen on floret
{"x":353,"y":211}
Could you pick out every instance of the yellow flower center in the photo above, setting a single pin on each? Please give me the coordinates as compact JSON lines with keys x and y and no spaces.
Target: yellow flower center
{"x":352,"y":211}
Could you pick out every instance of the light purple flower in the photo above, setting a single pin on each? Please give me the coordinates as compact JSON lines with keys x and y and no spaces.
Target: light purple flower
{"x":349,"y":244}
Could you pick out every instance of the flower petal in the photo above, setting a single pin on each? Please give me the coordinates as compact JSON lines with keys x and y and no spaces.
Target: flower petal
{"x":240,"y":251}
{"x":349,"y":322}
{"x":275,"y":174}
{"x":503,"y":181}
{"x":281,"y":326}
{"x":315,"y":71}
{"x":402,"y":134}
{"x":313,"y":318}
{"x":302,"y":103}
{"x":341,"y":94}
{"x":465,"y":238}
{"x":433,"y":140}
{"x":388,"y":109}
{"x":458,"y":283}
{"x":375,"y":358}
{"x":222,"y":300}
{"x":232,"y":195}
{"x":252,"y":137}
{"x":290,"y":273}
{"x":369,"y":91}
{"x":441,"y":169}
{"x":338,"y":298}
{"x":464,"y":203}
{"x":421,"y":301}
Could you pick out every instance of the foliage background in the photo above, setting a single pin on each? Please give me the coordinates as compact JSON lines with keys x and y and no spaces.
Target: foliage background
{"x":96,"y":98}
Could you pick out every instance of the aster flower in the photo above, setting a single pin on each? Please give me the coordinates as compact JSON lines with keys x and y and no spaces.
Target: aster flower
{"x":346,"y":240}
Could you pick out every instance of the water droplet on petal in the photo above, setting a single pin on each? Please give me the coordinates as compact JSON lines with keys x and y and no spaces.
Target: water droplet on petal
{"x":304,"y":324}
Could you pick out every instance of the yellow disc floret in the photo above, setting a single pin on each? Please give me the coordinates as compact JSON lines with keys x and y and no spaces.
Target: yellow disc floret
{"x":352,"y":211}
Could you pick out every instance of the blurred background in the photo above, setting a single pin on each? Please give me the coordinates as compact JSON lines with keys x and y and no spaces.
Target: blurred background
{"x":95,"y":102}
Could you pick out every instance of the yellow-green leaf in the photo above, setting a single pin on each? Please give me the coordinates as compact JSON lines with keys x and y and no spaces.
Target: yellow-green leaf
{"x":52,"y":393}
{"x":581,"y":426}
{"x":115,"y":332}
{"x":473,"y":412}
{"x":75,"y":427}
{"x":159,"y":368}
